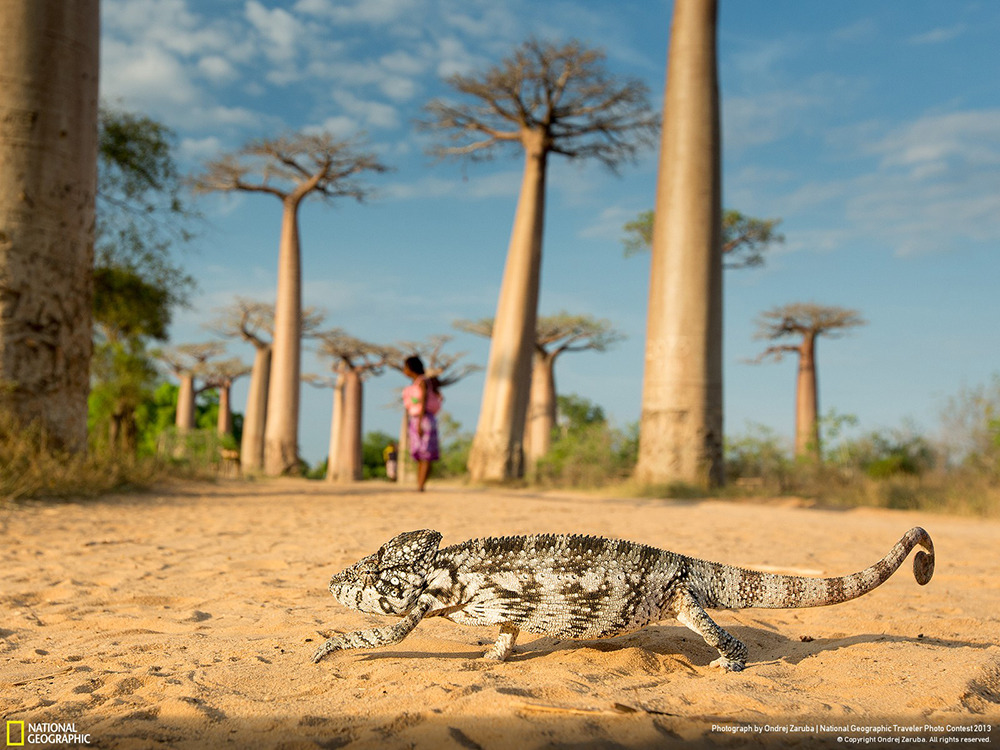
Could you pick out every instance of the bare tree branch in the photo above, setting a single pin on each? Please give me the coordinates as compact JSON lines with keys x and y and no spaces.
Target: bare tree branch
{"x":363,"y":357}
{"x":253,"y":321}
{"x":801,"y":318}
{"x":561,"y":92}
{"x":292,"y":167}
{"x":445,"y":367}
{"x":555,"y":334}
{"x":223,"y":373}
{"x":190,"y":359}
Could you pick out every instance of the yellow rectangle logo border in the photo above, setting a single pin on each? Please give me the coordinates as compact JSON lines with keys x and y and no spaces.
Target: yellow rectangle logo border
{"x":15,"y":744}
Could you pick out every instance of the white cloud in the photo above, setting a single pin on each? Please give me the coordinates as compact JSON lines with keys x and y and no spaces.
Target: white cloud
{"x":970,"y":138}
{"x":201,"y":148}
{"x":358,"y":11}
{"x":938,"y":35}
{"x":764,"y":117}
{"x":454,"y":58}
{"x":144,"y":75}
{"x":426,"y":187}
{"x":863,"y":30}
{"x":217,"y":69}
{"x":608,"y":224}
{"x":279,"y":28}
{"x":339,"y":125}
{"x":931,"y":187}
{"x":505,"y":184}
{"x":370,"y":113}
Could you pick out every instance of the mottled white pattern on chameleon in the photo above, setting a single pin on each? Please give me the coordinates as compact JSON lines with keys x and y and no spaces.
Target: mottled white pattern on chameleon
{"x":579,"y":587}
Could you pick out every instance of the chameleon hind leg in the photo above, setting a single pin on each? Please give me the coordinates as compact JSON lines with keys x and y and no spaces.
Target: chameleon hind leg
{"x":732,"y":651}
{"x":504,"y":646}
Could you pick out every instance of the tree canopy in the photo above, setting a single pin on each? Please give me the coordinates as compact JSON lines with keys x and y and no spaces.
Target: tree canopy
{"x":294,"y":165}
{"x":562,"y":332}
{"x":803,"y":319}
{"x":744,"y":238}
{"x":562,"y":92}
{"x":142,"y":213}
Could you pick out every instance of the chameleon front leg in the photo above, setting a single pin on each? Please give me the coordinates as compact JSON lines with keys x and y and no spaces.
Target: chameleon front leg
{"x":504,"y":646}
{"x":376,"y":636}
{"x":732,"y":651}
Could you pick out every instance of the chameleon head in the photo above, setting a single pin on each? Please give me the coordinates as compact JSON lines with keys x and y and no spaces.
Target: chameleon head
{"x":390,"y":581}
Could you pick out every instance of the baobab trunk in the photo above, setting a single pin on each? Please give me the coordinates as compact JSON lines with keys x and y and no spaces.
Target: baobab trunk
{"x":807,"y":401}
{"x":497,"y":451}
{"x":541,"y":410}
{"x":336,"y":425}
{"x":281,"y":427}
{"x":680,"y":433}
{"x":224,"y":424}
{"x":49,"y":59}
{"x":184,"y":419}
{"x":252,"y":442}
{"x":348,"y":456}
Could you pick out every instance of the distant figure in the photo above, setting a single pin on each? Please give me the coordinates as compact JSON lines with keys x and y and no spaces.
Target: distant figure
{"x":422,"y":400}
{"x":389,"y":455}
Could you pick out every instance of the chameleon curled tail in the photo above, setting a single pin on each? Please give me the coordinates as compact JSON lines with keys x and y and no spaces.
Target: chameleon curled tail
{"x":739,"y":588}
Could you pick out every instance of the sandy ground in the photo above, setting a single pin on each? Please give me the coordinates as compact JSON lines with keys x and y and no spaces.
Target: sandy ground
{"x":186,"y":618}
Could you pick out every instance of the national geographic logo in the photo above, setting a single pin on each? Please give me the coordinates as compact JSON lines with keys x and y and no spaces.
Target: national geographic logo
{"x":23,"y":734}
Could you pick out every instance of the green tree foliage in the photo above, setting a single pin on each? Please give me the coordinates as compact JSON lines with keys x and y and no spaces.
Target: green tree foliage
{"x":586,"y":451}
{"x":141,"y":214}
{"x":455,"y":446}
{"x":759,"y":455}
{"x":372,"y":447}
{"x":141,"y":202}
{"x":744,"y":238}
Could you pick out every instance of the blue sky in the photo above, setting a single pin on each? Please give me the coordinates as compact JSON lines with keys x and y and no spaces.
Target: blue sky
{"x":872,"y":129}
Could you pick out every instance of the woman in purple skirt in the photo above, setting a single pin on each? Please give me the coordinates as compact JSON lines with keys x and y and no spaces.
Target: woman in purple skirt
{"x":422,"y":400}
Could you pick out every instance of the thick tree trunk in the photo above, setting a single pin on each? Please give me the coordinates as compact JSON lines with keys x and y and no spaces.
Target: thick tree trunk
{"x":184,"y":419}
{"x":224,"y":424}
{"x":541,"y":410}
{"x":49,"y":57}
{"x":281,"y":427}
{"x":497,"y":453}
{"x":807,"y":401}
{"x":680,"y":434}
{"x":252,"y":442}
{"x":336,"y":425}
{"x":348,"y":456}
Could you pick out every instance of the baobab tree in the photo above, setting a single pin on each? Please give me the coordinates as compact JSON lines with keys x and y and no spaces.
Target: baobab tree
{"x":187,"y":362}
{"x":291,"y":168}
{"x":545,"y":99}
{"x":48,"y":158}
{"x":254,"y":323}
{"x":680,"y":427}
{"x":354,"y":362}
{"x":554,"y":335}
{"x":808,"y":321}
{"x":744,"y":238}
{"x":221,"y":375}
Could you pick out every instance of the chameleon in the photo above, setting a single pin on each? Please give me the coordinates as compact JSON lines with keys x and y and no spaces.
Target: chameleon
{"x":579,"y":587}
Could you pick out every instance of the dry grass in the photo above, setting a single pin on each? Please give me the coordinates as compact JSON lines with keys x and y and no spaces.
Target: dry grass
{"x":956,"y":492}
{"x":31,"y":466}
